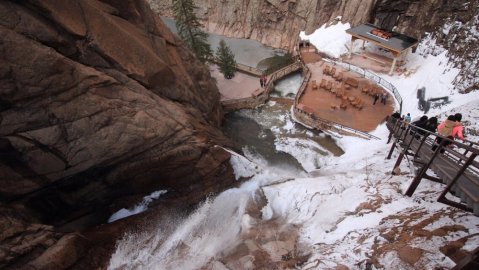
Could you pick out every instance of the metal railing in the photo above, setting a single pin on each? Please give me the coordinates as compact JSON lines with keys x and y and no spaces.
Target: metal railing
{"x":323,"y":122}
{"x":371,"y":76}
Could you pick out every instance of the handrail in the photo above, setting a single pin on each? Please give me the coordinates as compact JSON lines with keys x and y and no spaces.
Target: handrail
{"x":280,"y":73}
{"x":263,"y":96}
{"x":244,"y":68}
{"x":458,"y":171}
{"x":251,"y":70}
{"x":330,"y":123}
{"x":457,"y":143}
{"x":372,"y":76}
{"x":343,"y":127}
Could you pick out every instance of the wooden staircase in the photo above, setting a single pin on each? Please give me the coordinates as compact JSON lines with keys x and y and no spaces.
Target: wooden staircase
{"x":456,"y":168}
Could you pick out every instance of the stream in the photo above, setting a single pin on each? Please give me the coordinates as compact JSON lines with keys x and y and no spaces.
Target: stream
{"x":268,"y":136}
{"x":224,"y":229}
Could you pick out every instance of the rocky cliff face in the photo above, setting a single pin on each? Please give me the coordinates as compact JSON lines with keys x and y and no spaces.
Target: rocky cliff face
{"x":98,"y":102}
{"x":272,"y":22}
{"x":277,"y":22}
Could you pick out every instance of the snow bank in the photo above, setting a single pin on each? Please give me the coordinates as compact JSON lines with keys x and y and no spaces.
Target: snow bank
{"x":329,"y":40}
{"x":304,"y":151}
{"x":242,"y":167}
{"x":123,"y":213}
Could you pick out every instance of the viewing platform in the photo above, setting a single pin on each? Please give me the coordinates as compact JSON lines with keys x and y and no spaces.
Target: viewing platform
{"x":340,"y":99}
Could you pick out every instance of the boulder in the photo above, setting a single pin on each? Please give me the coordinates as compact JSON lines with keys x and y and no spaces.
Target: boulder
{"x":98,"y":101}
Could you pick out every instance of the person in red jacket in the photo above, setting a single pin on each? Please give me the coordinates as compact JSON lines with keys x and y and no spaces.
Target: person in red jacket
{"x":458,"y":127}
{"x":445,"y":129}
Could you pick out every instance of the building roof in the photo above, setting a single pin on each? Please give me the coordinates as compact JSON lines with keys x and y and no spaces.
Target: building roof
{"x":396,"y":41}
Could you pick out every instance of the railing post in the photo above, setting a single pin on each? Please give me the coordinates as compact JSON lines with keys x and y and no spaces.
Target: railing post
{"x":419,"y":176}
{"x":401,"y":155}
{"x":407,"y":131}
{"x":391,"y":132}
{"x":420,"y":145}
{"x":465,"y":152}
{"x":442,"y":197}
{"x":402,"y":130}
{"x":392,"y":149}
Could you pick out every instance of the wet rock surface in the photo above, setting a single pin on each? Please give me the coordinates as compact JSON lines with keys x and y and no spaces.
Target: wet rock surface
{"x":98,"y":101}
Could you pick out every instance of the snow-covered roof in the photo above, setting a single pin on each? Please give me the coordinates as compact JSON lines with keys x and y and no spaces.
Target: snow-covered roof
{"x":396,"y":41}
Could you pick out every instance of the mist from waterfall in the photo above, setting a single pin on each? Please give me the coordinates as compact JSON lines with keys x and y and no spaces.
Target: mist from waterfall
{"x":190,"y":242}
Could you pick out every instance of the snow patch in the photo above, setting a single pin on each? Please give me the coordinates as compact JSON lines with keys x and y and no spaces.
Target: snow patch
{"x":307,"y":152}
{"x":243,"y":168}
{"x":141,"y":207}
{"x":330,"y":40}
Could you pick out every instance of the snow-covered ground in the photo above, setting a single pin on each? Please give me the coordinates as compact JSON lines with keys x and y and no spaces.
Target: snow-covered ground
{"x":430,"y":65}
{"x":351,"y":214}
{"x":141,"y":207}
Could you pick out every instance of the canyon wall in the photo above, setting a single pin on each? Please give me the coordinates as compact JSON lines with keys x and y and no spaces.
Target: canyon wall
{"x":277,"y":22}
{"x":99,"y":105}
{"x":272,"y":22}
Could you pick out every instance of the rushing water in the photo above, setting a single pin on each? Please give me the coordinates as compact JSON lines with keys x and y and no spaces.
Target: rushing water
{"x":269,"y":133}
{"x":276,"y":149}
{"x":247,"y":52}
{"x":288,"y":86}
{"x":215,"y":234}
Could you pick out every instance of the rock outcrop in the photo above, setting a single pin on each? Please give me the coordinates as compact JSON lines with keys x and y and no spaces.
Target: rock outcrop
{"x":274,"y":22}
{"x":98,"y":101}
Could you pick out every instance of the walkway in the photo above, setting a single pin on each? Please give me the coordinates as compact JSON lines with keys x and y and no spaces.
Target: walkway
{"x":244,"y":91}
{"x":456,"y":168}
{"x":240,"y":86}
{"x":344,"y":101}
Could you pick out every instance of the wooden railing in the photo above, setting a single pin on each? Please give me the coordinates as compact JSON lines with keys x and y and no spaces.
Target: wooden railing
{"x":280,"y":73}
{"x":453,"y":162}
{"x":253,"y":101}
{"x":250,"y":70}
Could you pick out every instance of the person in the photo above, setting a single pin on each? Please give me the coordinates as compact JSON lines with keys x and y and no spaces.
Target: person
{"x":445,"y":129}
{"x":265,"y":80}
{"x":261,"y":81}
{"x":431,"y":124}
{"x":458,"y":127}
{"x":376,"y":97}
{"x":407,"y":119}
{"x":421,"y":123}
{"x":384,"y":96}
{"x":394,"y":117}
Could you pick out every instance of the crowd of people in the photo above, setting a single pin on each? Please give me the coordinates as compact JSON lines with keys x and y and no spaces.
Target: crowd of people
{"x":383,"y":97}
{"x":450,"y":128}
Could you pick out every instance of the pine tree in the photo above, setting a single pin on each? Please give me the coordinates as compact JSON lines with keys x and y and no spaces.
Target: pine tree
{"x":226,"y":60}
{"x":189,"y":29}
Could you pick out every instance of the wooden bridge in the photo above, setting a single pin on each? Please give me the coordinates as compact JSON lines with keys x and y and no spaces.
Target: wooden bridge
{"x":260,"y":97}
{"x":455,"y":165}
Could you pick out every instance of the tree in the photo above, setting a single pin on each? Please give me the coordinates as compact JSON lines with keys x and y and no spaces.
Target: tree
{"x":189,"y":29}
{"x":226,"y":60}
